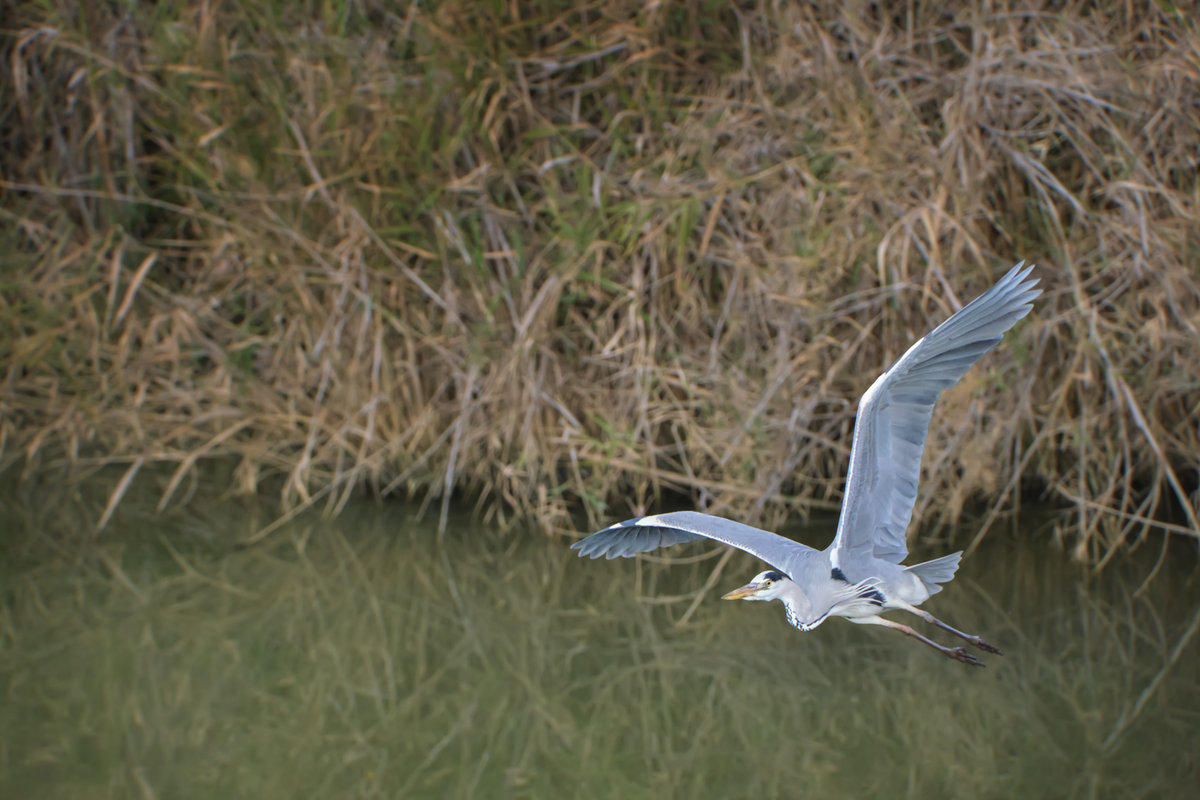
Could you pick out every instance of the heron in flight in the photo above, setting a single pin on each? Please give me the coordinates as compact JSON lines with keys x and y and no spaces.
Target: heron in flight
{"x":860,"y":575}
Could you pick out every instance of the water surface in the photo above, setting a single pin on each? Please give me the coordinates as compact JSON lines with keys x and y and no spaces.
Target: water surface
{"x":353,"y":658}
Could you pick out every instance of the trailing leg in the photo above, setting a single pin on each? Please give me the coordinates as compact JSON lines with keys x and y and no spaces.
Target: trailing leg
{"x":932,"y":620}
{"x":957,"y":653}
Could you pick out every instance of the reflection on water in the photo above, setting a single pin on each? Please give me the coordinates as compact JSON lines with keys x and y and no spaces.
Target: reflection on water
{"x":345,"y":658}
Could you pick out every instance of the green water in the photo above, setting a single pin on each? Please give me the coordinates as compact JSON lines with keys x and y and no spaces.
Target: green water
{"x":352,"y":658}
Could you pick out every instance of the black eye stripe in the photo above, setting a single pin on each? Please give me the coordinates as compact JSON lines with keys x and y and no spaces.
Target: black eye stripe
{"x":773,"y":576}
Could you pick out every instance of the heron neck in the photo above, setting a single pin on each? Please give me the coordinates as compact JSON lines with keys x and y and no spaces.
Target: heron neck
{"x":795,"y":603}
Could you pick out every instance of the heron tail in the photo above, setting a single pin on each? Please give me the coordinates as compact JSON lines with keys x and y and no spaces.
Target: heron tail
{"x":940,"y":570}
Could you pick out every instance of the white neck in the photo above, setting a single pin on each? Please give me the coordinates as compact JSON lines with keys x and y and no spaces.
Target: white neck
{"x":797,"y":605}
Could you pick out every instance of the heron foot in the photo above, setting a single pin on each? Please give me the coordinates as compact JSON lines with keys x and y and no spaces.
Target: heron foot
{"x":959,"y":654}
{"x":967,"y":637}
{"x":984,"y":646}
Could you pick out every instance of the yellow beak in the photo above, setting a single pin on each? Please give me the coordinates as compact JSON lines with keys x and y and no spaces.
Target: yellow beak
{"x":741,"y":593}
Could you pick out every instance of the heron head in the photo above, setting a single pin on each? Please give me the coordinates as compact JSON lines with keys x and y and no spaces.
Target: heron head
{"x":767,"y":585}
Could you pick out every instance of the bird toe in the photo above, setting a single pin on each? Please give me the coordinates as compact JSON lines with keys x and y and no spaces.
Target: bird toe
{"x":959,"y":654}
{"x":987,"y":648}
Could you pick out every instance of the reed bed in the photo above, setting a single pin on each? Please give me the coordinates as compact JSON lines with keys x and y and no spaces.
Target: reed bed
{"x":560,"y":255}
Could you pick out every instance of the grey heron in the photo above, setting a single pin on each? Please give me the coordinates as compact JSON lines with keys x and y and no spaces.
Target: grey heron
{"x":860,"y":575}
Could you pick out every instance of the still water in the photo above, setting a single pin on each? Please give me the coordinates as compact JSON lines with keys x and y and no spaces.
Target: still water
{"x":354,"y":658}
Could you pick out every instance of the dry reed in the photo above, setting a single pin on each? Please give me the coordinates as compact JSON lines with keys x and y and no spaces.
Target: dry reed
{"x":567,"y":254}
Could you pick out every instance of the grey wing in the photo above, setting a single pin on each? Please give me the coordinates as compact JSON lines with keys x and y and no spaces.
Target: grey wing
{"x":643,"y":534}
{"x":893,"y":420}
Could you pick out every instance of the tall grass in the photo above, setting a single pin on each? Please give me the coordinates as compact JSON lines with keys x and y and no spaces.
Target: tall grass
{"x":564,"y":254}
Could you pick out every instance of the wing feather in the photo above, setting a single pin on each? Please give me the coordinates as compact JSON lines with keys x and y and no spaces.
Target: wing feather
{"x":643,"y":534}
{"x":893,"y":419}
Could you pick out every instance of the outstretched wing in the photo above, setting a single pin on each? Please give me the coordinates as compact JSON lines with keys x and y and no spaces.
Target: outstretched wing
{"x":643,"y":534}
{"x":893,"y":420}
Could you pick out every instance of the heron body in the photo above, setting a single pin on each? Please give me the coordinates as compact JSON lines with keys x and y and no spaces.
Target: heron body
{"x":860,"y":575}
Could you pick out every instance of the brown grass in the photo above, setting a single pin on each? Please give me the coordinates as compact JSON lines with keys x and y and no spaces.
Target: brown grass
{"x":559,"y":255}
